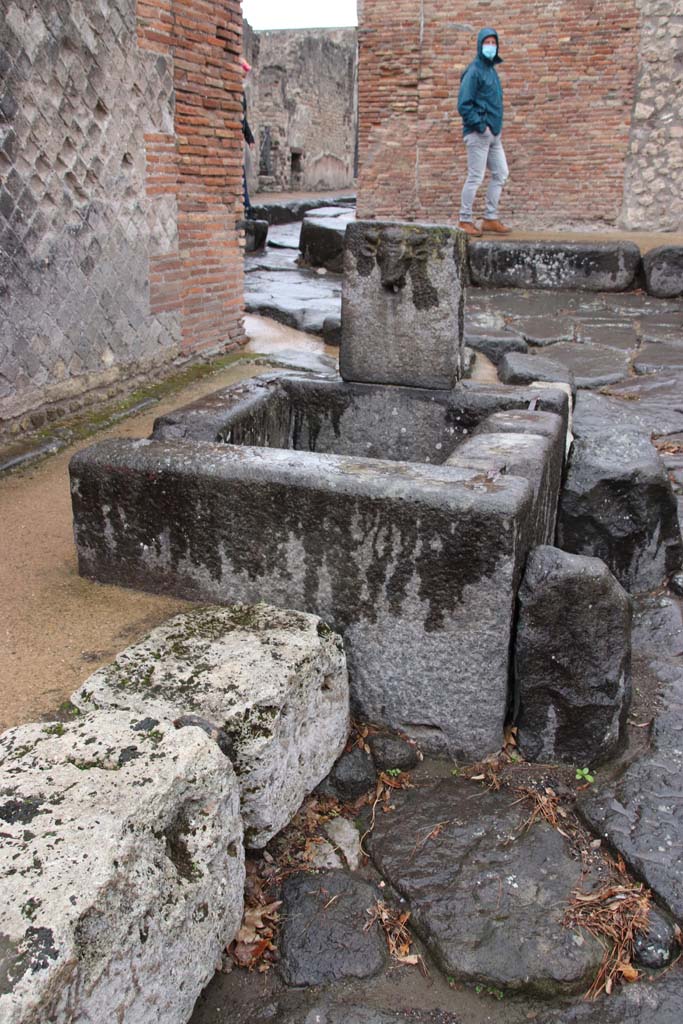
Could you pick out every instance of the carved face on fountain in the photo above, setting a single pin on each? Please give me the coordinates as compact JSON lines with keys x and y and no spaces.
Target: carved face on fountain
{"x":399,"y":254}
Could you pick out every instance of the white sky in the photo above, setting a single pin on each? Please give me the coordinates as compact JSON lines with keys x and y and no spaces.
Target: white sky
{"x":262,"y":14}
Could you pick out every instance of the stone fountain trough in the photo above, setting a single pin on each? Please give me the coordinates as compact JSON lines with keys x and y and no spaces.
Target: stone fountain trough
{"x":401,"y":515}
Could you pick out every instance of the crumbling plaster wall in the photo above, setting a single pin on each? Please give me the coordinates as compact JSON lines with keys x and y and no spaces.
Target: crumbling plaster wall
{"x":654,"y":167}
{"x":302,"y":109}
{"x":111,"y":204}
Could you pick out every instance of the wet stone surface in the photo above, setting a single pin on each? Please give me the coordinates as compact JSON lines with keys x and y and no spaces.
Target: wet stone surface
{"x":521,"y":368}
{"x":572,"y":659}
{"x":494,"y":344}
{"x":648,"y":405}
{"x":656,"y":357}
{"x":645,"y":1003}
{"x":486,"y":897}
{"x":322,"y":238}
{"x":593,"y":366}
{"x":392,"y":752}
{"x":617,"y":504}
{"x":301,"y":298}
{"x":327,"y":1013}
{"x":541,"y":331}
{"x":640,"y":813}
{"x":351,"y":776}
{"x":323,"y":937}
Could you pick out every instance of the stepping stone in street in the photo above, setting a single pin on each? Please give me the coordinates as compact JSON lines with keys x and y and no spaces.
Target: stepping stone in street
{"x":324,"y":936}
{"x":593,"y":366}
{"x":486,"y":896}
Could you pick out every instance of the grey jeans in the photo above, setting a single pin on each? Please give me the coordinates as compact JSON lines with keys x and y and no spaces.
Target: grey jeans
{"x":484,"y":151}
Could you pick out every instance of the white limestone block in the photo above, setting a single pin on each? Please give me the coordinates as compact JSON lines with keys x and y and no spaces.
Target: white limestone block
{"x":121,"y":870}
{"x":274,"y":681}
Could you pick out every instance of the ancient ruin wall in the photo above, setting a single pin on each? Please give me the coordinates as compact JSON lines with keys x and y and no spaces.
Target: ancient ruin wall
{"x":120,"y":171}
{"x":654,"y":167}
{"x":569,"y":75}
{"x":303,"y":109}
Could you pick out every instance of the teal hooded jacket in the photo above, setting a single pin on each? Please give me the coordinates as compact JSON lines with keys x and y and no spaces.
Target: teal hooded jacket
{"x":480,"y":101}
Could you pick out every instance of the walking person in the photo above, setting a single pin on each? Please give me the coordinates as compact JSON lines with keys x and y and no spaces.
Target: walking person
{"x":480,"y":105}
{"x":250,"y":141}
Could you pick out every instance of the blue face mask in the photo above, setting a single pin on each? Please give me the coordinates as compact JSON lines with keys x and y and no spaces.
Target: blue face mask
{"x":489,"y":50}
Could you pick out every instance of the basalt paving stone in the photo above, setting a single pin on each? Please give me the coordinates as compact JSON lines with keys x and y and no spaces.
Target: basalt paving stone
{"x":652,"y":404}
{"x":524,"y":368}
{"x":295,"y":209}
{"x":526,"y":303}
{"x":486,"y":896}
{"x":572,"y":659}
{"x":324,"y":936}
{"x":482,"y":319}
{"x":658,"y":626}
{"x":593,"y":366}
{"x":541,"y":331}
{"x":638,"y":303}
{"x":272,"y":260}
{"x":327,"y":1013}
{"x":654,"y":358}
{"x":640,"y":814}
{"x":655,"y":1002}
{"x":608,"y":334}
{"x":494,"y":344}
{"x":322,"y":239}
{"x":659,"y":332}
{"x":617,"y":505}
{"x":300,"y":299}
{"x":284,"y":236}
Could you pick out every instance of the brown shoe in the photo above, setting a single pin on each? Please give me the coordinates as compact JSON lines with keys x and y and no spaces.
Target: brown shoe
{"x":469,"y":228}
{"x":496,"y":227}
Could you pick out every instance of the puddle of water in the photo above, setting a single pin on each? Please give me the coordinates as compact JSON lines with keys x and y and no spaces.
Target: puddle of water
{"x":268,"y":337}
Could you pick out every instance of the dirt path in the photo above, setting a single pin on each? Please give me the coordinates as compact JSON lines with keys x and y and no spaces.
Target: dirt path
{"x":57,"y":628}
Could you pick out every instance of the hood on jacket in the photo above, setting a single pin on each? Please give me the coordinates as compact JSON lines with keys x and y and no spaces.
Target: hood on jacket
{"x":484,"y":34}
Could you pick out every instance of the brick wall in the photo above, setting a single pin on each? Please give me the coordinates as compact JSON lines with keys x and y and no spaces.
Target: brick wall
{"x":302,"y":109}
{"x":120,"y":184}
{"x":571,"y":70}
